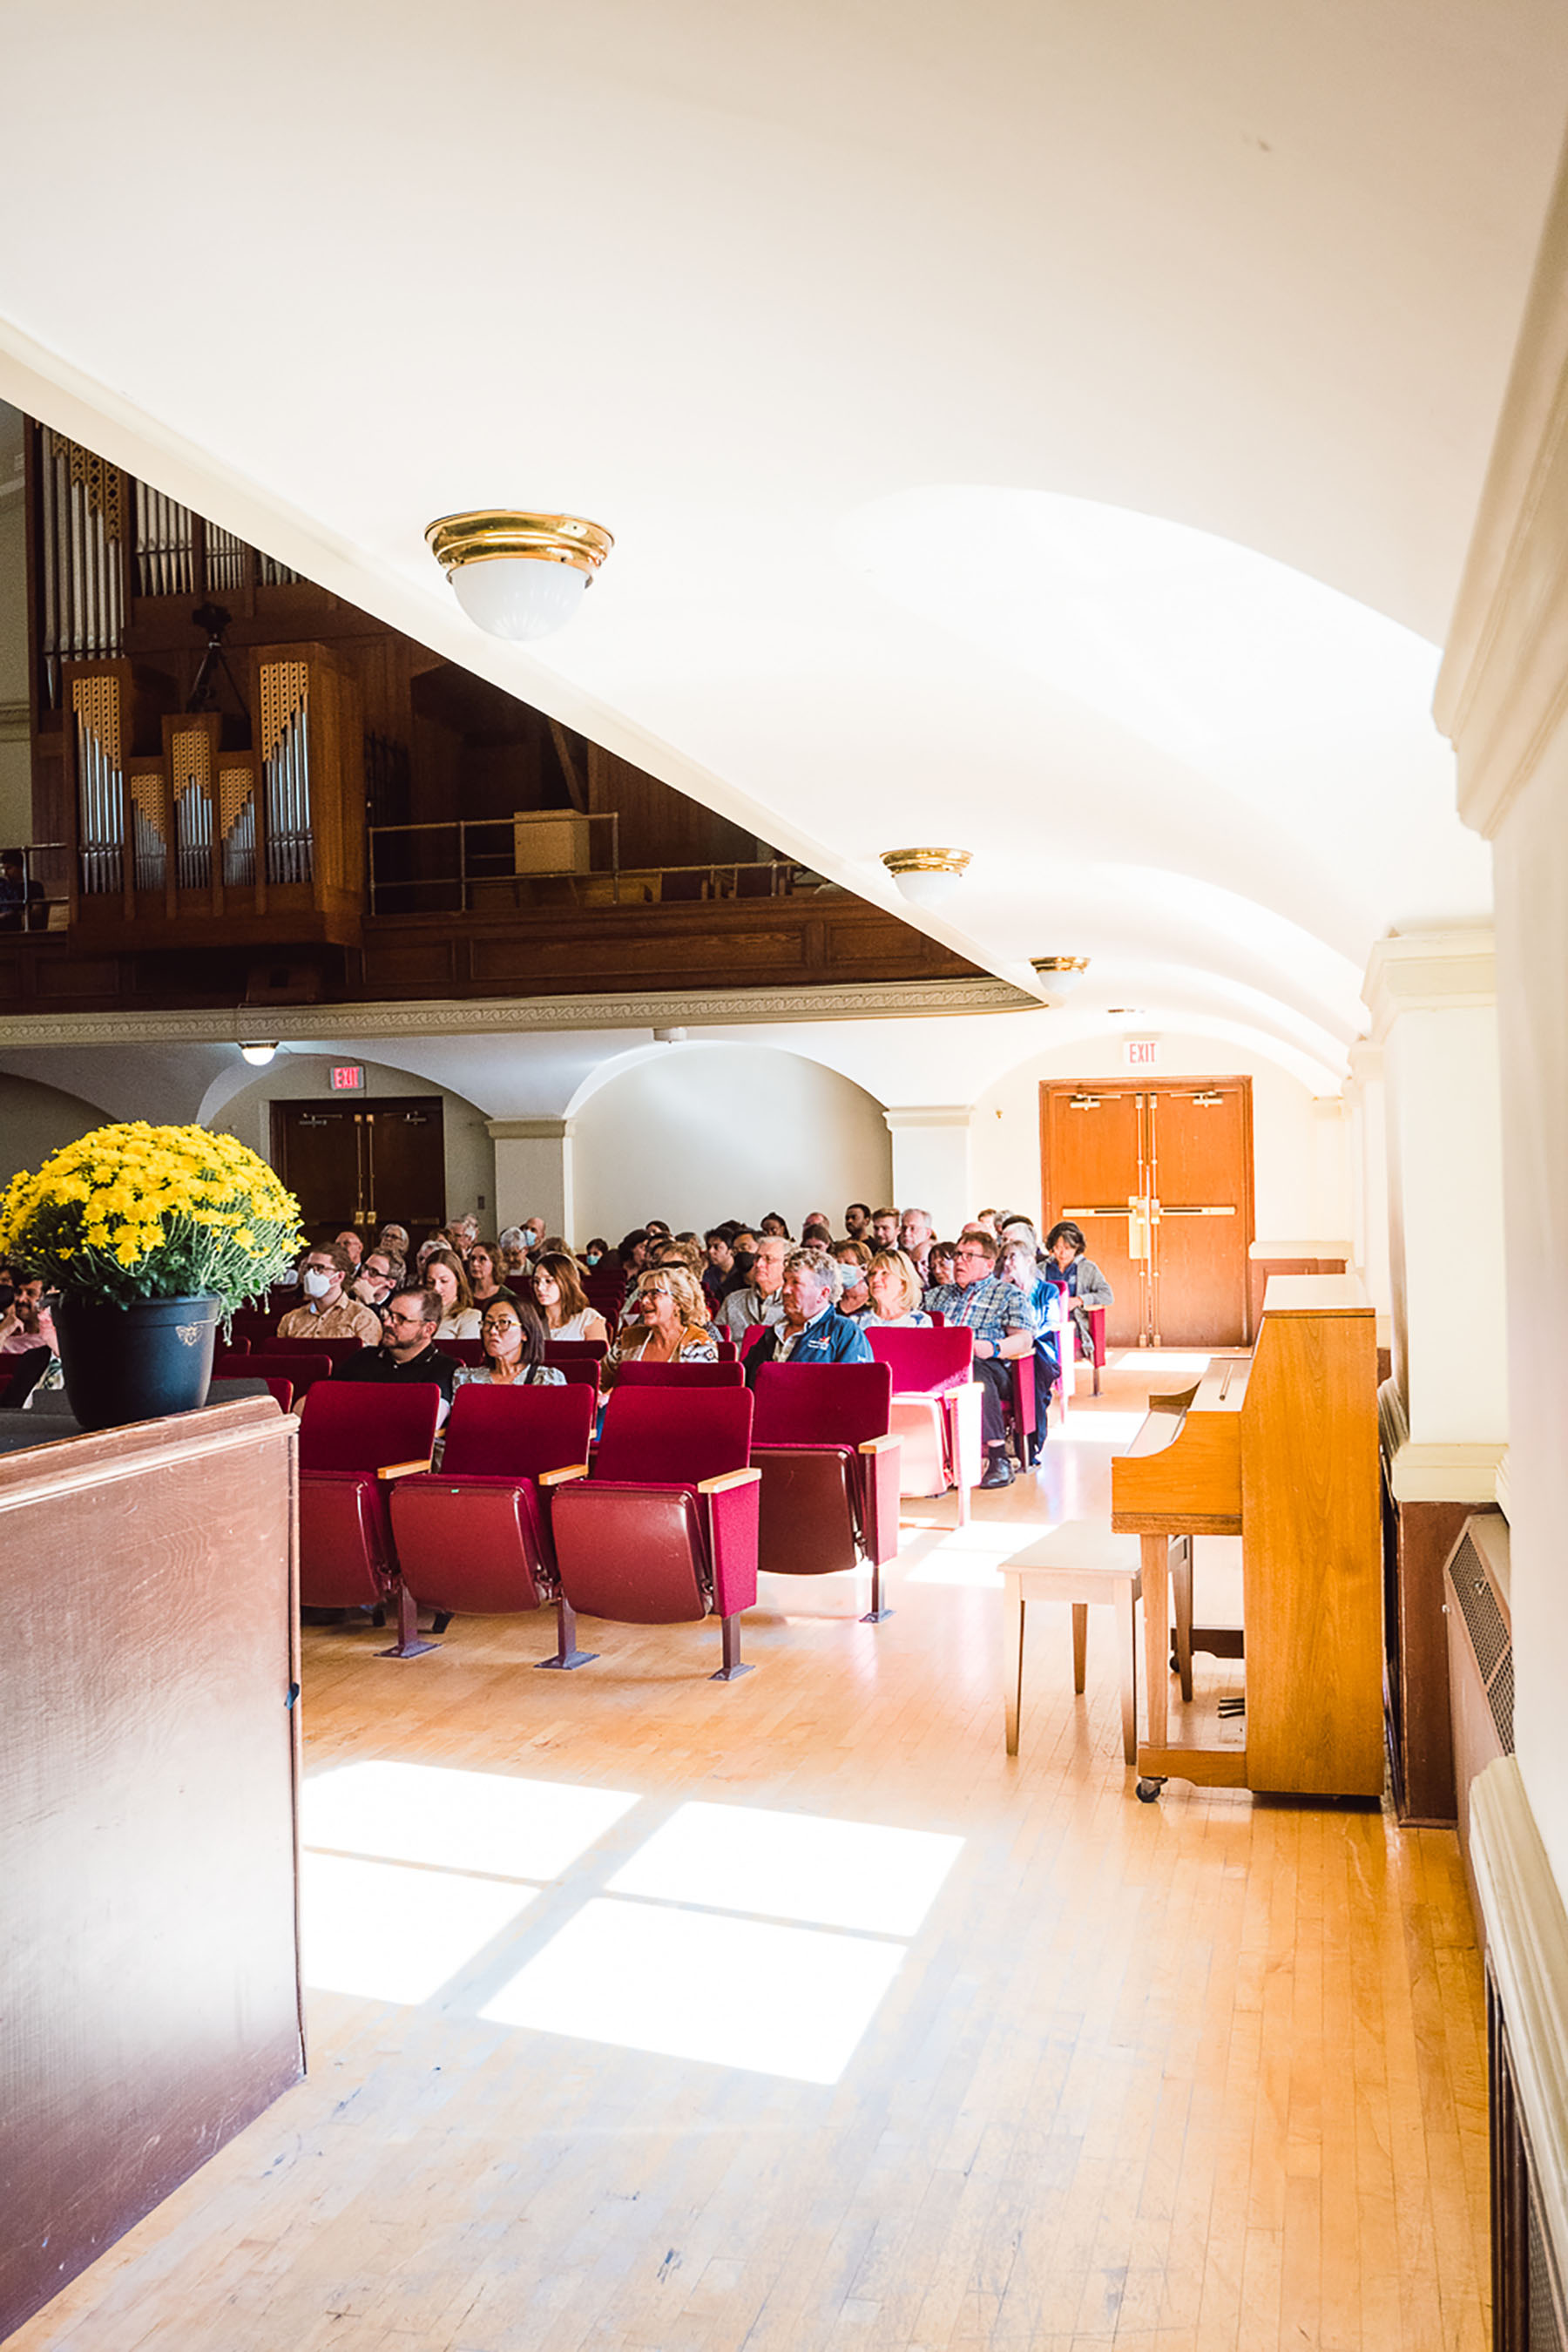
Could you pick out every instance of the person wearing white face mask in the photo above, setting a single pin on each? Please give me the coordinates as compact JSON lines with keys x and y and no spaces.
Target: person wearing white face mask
{"x":326,"y":1313}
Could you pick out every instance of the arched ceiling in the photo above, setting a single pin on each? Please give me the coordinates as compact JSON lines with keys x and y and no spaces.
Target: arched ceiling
{"x":1050,"y":428}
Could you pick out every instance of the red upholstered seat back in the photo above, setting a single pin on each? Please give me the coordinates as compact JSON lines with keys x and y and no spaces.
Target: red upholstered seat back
{"x":463,"y":1351}
{"x":310,"y":1346}
{"x":937,"y":1359}
{"x":300,"y":1370}
{"x":674,"y":1437}
{"x":517,"y":1432}
{"x":822,"y":1404}
{"x":567,"y":1352}
{"x":358,"y":1425}
{"x":675,"y":1376}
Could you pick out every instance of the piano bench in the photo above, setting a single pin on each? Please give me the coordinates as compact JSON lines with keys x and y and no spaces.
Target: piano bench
{"x":1083,"y":1563}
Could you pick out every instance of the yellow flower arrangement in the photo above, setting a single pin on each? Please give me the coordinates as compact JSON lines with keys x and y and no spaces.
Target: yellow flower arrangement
{"x":138,"y":1212}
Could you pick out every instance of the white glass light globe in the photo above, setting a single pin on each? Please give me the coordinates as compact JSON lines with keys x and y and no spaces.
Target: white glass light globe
{"x":520,"y":597}
{"x":926,"y":888}
{"x":257,"y":1055}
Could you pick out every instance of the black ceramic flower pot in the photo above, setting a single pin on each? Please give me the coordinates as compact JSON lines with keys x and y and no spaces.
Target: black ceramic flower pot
{"x":135,"y":1363}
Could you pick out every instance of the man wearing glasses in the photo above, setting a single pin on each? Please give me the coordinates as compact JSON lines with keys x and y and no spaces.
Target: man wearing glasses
{"x":407,"y":1352}
{"x":1003,"y":1325}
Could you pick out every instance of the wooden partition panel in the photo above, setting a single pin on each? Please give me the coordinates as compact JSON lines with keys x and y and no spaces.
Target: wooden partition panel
{"x":149,"y":1756}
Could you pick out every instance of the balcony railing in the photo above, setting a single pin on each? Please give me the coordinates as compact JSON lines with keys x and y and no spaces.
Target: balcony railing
{"x":46,"y":870}
{"x":554,"y":859}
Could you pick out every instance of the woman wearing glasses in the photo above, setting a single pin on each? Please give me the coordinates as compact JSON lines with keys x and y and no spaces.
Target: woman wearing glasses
{"x":512,"y":1336}
{"x":665,"y":1324}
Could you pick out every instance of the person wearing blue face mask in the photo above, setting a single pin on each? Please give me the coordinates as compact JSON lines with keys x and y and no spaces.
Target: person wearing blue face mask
{"x":594,"y":1251}
{"x":326,"y":1313}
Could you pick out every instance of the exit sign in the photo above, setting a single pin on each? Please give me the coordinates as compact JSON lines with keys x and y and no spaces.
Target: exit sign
{"x":1141,"y":1053}
{"x":348,"y":1078}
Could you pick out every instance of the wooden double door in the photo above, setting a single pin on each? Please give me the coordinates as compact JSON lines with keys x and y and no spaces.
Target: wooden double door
{"x":363,"y":1165}
{"x":1160,"y":1178}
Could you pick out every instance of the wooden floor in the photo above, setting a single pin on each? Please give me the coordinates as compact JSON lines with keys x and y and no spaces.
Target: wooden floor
{"x":1202,"y":2074}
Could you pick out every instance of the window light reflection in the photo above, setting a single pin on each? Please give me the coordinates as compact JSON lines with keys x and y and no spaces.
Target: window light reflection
{"x":491,"y":1821}
{"x":793,"y":1866}
{"x":682,"y":1984}
{"x":382,"y":1932}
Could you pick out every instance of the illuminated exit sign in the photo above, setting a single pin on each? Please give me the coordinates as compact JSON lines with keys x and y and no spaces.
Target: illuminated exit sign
{"x":1141,"y":1053}
{"x":348,"y":1078}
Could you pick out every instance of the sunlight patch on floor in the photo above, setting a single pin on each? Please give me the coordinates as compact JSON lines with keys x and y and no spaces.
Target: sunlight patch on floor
{"x":793,"y":1866}
{"x":384,"y":1932}
{"x":512,"y":1828}
{"x":1097,"y":1429}
{"x":684,"y":1984}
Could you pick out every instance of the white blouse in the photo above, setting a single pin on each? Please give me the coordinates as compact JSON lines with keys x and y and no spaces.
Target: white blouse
{"x":576,"y":1325}
{"x":465,"y":1326}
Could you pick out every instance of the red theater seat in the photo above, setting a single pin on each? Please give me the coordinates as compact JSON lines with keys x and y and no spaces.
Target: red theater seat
{"x":635,"y":1375}
{"x":340,"y":1351}
{"x":577,"y":1359}
{"x":936,"y":1408}
{"x":664,"y":1530}
{"x":474,"y":1537}
{"x":830,"y":1472}
{"x":463,"y":1351}
{"x":302,"y":1371}
{"x":355,"y":1439}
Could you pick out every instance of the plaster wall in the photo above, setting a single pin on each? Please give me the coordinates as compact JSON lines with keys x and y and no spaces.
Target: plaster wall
{"x":1532,"y":867}
{"x":701,"y":1132}
{"x":471,"y":1156}
{"x":35,"y":1119}
{"x":1300,"y":1165}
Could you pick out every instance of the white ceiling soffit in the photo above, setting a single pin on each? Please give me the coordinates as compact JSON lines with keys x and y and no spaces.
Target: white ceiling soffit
{"x":1052,"y":430}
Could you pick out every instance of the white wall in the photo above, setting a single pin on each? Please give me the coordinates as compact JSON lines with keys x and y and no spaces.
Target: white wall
{"x":297,"y":1078}
{"x":701,"y":1132}
{"x":1299,"y":1158}
{"x":35,"y":1120}
{"x":1531,"y":867}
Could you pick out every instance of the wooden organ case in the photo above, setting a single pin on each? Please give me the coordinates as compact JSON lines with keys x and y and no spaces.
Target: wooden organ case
{"x":1281,"y":1451}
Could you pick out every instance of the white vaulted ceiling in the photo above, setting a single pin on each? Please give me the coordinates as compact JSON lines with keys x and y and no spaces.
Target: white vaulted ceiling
{"x":1049,"y":428}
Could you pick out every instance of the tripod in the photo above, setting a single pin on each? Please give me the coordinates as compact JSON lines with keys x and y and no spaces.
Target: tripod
{"x":202,"y":696}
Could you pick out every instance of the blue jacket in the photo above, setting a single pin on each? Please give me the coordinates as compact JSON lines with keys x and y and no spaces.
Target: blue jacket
{"x":833,"y":1338}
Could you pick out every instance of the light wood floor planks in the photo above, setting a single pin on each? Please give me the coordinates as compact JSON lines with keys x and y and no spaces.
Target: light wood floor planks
{"x":1204,"y":2076}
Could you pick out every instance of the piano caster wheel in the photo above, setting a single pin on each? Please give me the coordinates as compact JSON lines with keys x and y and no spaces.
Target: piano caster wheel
{"x":1148,"y":1790}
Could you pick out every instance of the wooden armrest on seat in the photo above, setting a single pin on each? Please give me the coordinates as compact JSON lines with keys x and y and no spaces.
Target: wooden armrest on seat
{"x":878,"y":1444}
{"x":403,"y":1469}
{"x":721,"y":1485}
{"x":561,"y":1477}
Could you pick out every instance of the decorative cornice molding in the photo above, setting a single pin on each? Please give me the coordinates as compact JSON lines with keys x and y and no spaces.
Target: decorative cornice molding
{"x":15,"y":723}
{"x":1527,"y":1944}
{"x":930,"y":1115}
{"x":528,"y":1130}
{"x":1429,"y":971}
{"x":1449,"y":1473}
{"x":521,"y":1015}
{"x":1502,"y":691}
{"x":1365,"y":1064}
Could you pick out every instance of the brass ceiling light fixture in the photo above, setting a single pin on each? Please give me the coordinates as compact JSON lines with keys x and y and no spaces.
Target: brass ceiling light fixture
{"x":518,"y":575}
{"x":926,"y":876}
{"x":1062,"y":974}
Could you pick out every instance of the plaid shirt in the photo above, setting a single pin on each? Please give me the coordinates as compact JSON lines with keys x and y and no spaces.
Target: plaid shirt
{"x":990,"y":1307}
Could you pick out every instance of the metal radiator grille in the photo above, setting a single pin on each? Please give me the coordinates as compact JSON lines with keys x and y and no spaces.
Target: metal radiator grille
{"x":1487,"y":1626}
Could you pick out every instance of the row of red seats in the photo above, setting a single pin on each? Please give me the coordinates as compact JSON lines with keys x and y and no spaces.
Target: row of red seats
{"x":666,"y":1521}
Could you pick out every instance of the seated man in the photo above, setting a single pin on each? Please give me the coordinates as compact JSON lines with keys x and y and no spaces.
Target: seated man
{"x":1003,"y":1325}
{"x":884,"y":1232}
{"x":351,"y":1241}
{"x":858,"y":1221}
{"x":762,"y":1300}
{"x":916,"y":1230}
{"x":810,"y":1330}
{"x":377,"y":1278}
{"x":408,"y":1353}
{"x":327,"y":1313}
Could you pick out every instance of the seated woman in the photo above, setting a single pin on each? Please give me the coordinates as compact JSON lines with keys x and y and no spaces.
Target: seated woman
{"x":594,"y":1250}
{"x":512,"y":1333}
{"x":666,"y":1326}
{"x":854,"y":1298}
{"x":939,"y":1264}
{"x":774,"y":1223}
{"x":894,"y":1283}
{"x":443,"y":1273}
{"x":1016,"y":1263}
{"x":1081,"y":1278}
{"x":484,"y":1277}
{"x":559,"y":1294}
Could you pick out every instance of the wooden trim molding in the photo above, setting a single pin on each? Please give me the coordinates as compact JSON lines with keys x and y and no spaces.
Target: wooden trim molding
{"x":1527,"y":1943}
{"x":1446,"y":1473}
{"x":528,"y":1130}
{"x":518,"y":1015}
{"x":1502,"y":691}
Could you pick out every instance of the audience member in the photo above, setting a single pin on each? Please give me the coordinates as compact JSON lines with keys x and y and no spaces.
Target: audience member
{"x":484,"y":1277}
{"x":351,"y":1241}
{"x":720,"y":1264}
{"x":858,"y":1221}
{"x":394,"y":1240}
{"x":408,"y":1353}
{"x":633,"y":1252}
{"x":668,"y":1326}
{"x":917,"y":1229}
{"x":939,"y":1264}
{"x":533,"y":1234}
{"x":444,"y":1275}
{"x":512,"y":1335}
{"x":594,"y":1250}
{"x":811,"y":1330}
{"x":377,"y":1278}
{"x":559,"y":1294}
{"x":22,"y":905}
{"x":895,"y":1290}
{"x":998,"y":1315}
{"x":1016,"y":1263}
{"x":855,"y":1259}
{"x":817,"y":1217}
{"x":762,"y":1300}
{"x":327,"y":1313}
{"x":884,"y":1234}
{"x":773,"y":1226}
{"x":983,"y":1220}
{"x":27,"y":1322}
{"x":1081,"y":1278}
{"x":816,"y":1235}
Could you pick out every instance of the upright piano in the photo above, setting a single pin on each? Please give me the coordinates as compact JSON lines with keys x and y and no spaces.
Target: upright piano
{"x":1282,"y":1452}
